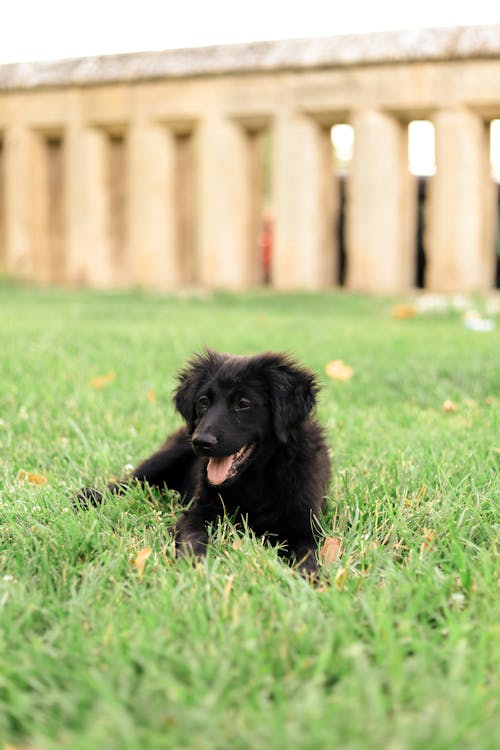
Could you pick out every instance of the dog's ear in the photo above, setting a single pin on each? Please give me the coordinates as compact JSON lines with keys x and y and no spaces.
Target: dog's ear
{"x":197,"y":371}
{"x":293,"y":392}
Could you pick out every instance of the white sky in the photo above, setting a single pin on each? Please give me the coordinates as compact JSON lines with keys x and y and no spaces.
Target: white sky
{"x":50,"y":29}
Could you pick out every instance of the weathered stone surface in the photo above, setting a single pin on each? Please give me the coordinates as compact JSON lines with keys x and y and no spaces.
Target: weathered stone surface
{"x":294,"y":54}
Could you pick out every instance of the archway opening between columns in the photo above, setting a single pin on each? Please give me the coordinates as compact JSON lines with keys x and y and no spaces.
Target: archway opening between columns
{"x":342,"y":138}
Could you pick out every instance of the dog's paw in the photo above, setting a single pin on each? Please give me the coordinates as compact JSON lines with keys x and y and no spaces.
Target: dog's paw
{"x":306,"y":564}
{"x":191,"y":546}
{"x":87,"y":498}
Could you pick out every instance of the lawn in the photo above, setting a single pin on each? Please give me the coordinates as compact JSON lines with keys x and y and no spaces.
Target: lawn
{"x":396,"y":647}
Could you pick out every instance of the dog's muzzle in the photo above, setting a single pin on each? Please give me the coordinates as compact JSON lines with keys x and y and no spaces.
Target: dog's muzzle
{"x":220,"y":470}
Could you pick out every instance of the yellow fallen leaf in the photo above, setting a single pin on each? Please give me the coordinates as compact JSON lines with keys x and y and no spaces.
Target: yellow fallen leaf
{"x":404,"y":311}
{"x":27,"y":476}
{"x":449,"y":406}
{"x":331,"y":550}
{"x":427,"y":545}
{"x":151,"y":395}
{"x":140,"y":561}
{"x":338,"y":370}
{"x":101,"y":381}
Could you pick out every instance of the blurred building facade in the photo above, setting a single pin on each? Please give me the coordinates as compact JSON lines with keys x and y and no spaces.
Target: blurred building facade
{"x":213,"y":167}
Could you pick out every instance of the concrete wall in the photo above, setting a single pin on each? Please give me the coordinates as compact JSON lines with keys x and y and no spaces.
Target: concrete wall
{"x":146,"y":169}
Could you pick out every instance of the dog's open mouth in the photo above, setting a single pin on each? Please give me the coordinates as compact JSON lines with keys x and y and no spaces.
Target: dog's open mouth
{"x":219,"y":470}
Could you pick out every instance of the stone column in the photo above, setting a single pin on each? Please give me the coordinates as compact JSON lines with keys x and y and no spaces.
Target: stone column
{"x":99,"y":266}
{"x":459,"y":237}
{"x":39,"y":210}
{"x":381,"y":206}
{"x":77,"y":251}
{"x":48,"y":207}
{"x":153,"y":260}
{"x":18,"y":152}
{"x":227,"y":249}
{"x":304,"y":254}
{"x":89,"y":259}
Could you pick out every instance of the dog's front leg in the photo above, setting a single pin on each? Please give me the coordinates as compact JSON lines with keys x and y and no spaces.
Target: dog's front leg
{"x":302,"y":554}
{"x":171,"y":467}
{"x":191,"y":531}
{"x":90,"y":497}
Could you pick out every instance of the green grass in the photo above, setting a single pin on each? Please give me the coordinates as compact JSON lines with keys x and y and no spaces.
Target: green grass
{"x":396,"y":648}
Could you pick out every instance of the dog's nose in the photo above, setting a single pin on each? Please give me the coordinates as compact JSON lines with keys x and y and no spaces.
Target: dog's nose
{"x":204,"y":441}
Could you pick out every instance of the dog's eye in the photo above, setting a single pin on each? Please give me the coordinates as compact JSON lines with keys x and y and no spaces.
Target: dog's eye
{"x":202,"y":404}
{"x":242,"y":404}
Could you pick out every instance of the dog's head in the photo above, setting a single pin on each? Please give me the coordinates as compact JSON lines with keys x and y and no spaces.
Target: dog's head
{"x":234,"y":406}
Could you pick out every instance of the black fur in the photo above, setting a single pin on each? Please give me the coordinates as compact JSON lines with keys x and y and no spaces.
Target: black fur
{"x":229,"y":402}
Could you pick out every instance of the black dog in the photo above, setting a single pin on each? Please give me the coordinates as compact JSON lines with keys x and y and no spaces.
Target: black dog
{"x":250,"y":448}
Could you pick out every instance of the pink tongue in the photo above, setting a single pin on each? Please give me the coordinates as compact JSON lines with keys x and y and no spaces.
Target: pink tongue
{"x":218,"y":469}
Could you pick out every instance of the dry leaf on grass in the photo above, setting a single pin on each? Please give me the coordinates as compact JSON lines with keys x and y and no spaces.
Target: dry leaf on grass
{"x":449,"y":406}
{"x":140,"y":561}
{"x":401,"y":312}
{"x":428,"y":543}
{"x":331,"y":550}
{"x":27,"y":476}
{"x":101,"y":381}
{"x":338,"y":370}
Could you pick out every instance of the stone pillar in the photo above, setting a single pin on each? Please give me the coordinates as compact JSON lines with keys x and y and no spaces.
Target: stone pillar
{"x":148,"y":178}
{"x":99,"y":267}
{"x":304,"y":255}
{"x":459,"y":237}
{"x":90,"y":253}
{"x":77,"y":252}
{"x":89,"y":259}
{"x":153,"y":260}
{"x":39,"y":207}
{"x":18,"y":151}
{"x":381,"y":206}
{"x":48,"y":207}
{"x":227,"y":249}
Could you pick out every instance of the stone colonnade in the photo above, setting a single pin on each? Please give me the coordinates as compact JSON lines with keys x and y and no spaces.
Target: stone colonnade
{"x":147,"y":170}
